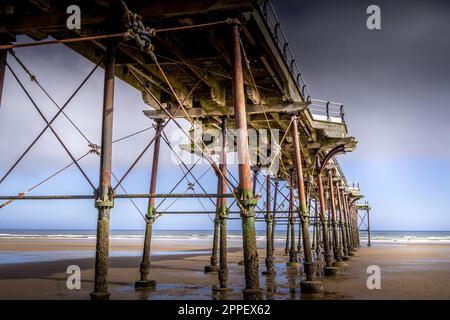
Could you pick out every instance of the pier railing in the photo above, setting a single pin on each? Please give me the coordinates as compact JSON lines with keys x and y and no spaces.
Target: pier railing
{"x":283,"y":44}
{"x":320,"y":110}
{"x":327,"y":111}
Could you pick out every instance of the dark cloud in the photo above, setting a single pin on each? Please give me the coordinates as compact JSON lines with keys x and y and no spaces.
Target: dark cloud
{"x":393,"y":82}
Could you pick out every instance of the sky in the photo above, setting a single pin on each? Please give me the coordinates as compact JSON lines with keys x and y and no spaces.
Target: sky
{"x":393,"y":82}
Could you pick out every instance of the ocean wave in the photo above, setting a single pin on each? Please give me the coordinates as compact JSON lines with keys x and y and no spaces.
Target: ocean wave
{"x":233,"y":236}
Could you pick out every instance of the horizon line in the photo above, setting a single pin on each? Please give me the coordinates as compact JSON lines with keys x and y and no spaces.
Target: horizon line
{"x":81,"y":229}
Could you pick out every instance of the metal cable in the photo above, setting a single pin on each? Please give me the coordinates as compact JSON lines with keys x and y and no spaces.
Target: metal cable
{"x":181,"y":162}
{"x":51,"y":121}
{"x":33,"y":78}
{"x":49,"y":126}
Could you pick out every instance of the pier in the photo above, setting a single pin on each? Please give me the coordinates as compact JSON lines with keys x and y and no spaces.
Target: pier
{"x":226,"y":69}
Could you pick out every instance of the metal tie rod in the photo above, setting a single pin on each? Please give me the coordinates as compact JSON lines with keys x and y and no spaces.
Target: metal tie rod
{"x":118,"y":196}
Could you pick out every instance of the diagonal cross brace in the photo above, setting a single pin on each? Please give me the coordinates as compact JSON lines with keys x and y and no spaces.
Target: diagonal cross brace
{"x":48,"y":126}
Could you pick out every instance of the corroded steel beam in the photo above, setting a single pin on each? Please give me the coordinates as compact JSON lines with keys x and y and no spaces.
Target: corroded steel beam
{"x":144,"y":282}
{"x":119,"y":196}
{"x":326,"y":243}
{"x":104,"y":197}
{"x":337,"y":249}
{"x":269,"y":230}
{"x":246,"y":198}
{"x":309,"y":285}
{"x":223,"y":214}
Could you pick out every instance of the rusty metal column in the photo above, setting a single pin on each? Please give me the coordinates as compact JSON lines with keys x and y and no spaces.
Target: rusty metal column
{"x":355,"y":224}
{"x":144,"y":269}
{"x":274,"y":222}
{"x":316,"y":227}
{"x":223,"y":214}
{"x":245,"y":196}
{"x":269,"y":219}
{"x":354,"y":227}
{"x":104,"y":194}
{"x":213,"y":267}
{"x":345,"y":257}
{"x":368,"y":228}
{"x":293,"y":261}
{"x":336,"y":247}
{"x":255,"y":181}
{"x":329,"y":270}
{"x":308,"y":286}
{"x":299,"y":240}
{"x":348,"y":225}
{"x":288,"y":232}
{"x":3,"y":55}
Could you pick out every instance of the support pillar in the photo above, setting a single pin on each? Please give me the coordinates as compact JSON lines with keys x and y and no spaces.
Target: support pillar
{"x":368,"y":228}
{"x":293,"y":262}
{"x":336,"y":245}
{"x":355,"y":225}
{"x":299,"y":240}
{"x":348,"y":226}
{"x":223,"y":214}
{"x":104,"y":194}
{"x":288,"y":235}
{"x":213,"y":267}
{"x":318,"y":246}
{"x":342,"y":223}
{"x":269,"y":248}
{"x":144,"y":283}
{"x":246,"y":200}
{"x":274,"y":222}
{"x":310,"y":285}
{"x":329,"y":270}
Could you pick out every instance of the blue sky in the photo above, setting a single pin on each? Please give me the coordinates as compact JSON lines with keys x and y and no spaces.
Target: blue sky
{"x":393,"y":82}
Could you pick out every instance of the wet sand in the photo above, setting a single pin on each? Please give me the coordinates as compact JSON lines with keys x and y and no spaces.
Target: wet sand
{"x":410,"y":271}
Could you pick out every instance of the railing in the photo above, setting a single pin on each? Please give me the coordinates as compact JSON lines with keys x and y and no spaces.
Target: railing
{"x":281,"y":40}
{"x":320,"y":110}
{"x":327,"y":111}
{"x":353,"y":187}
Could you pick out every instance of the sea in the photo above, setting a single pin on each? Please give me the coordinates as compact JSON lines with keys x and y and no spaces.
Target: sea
{"x":429,"y":237}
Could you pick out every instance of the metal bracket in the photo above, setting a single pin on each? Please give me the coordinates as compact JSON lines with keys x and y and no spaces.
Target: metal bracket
{"x":104,"y":203}
{"x":223,"y":212}
{"x":246,"y":202}
{"x":150,"y":216}
{"x":107,"y":203}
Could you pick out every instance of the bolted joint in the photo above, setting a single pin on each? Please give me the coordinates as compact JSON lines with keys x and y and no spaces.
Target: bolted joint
{"x":246,"y":202}
{"x":150,"y":216}
{"x":105,"y":201}
{"x":292,"y":221}
{"x":268,"y":218}
{"x":223,"y":212}
{"x":303,"y":214}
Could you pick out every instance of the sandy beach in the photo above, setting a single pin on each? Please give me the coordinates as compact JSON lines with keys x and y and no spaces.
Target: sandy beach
{"x":36,"y":269}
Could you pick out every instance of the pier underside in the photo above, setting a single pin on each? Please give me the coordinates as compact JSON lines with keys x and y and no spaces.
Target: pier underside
{"x":224,"y":65}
